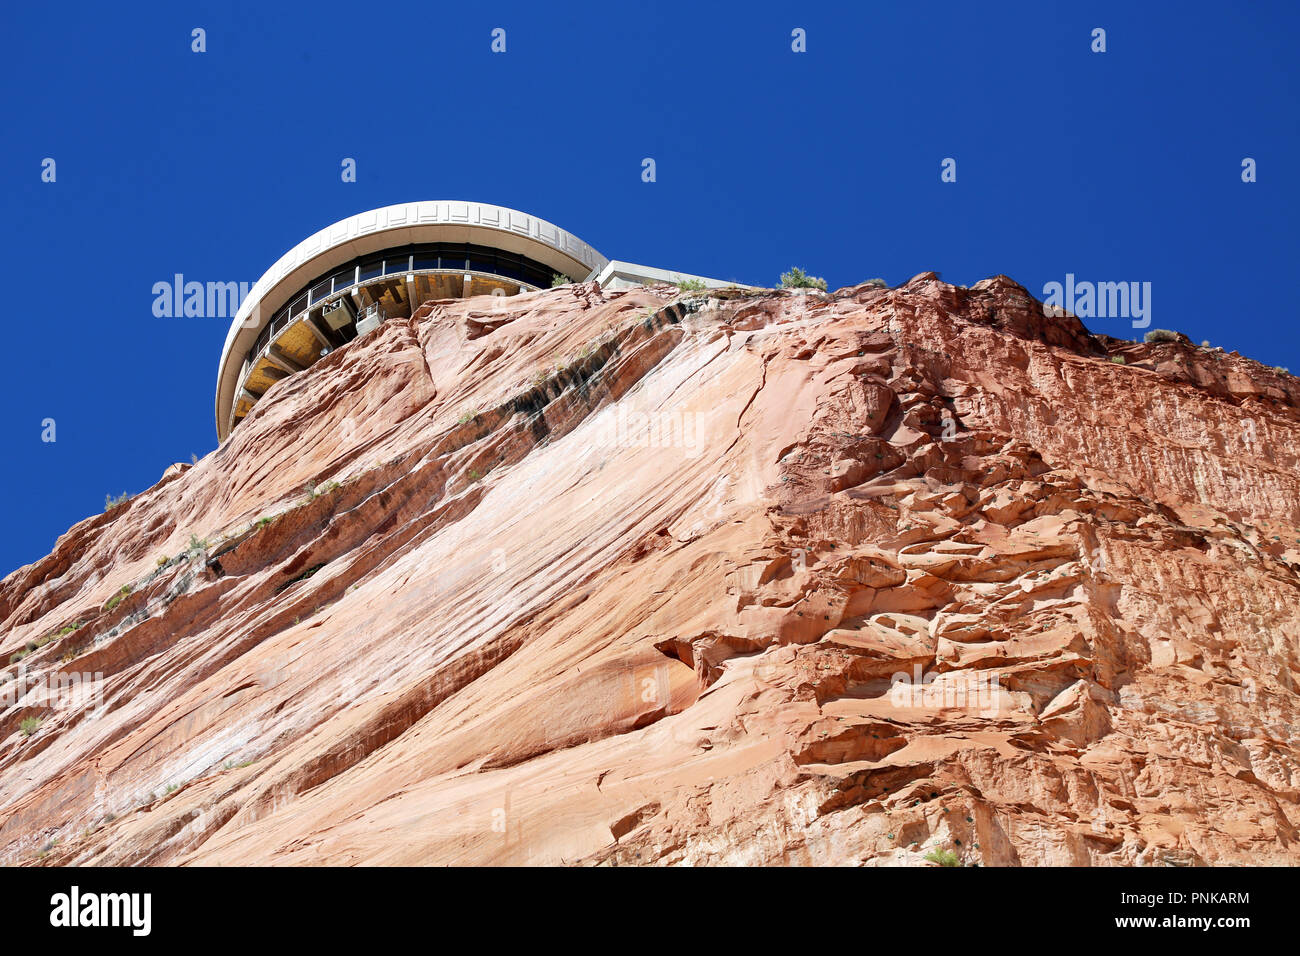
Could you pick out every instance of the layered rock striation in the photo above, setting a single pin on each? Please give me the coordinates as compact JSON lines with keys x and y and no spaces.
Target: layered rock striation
{"x":653,"y":577}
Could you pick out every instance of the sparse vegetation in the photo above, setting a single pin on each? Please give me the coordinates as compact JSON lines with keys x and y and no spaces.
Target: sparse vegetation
{"x":265,"y":520}
{"x":1119,"y":360}
{"x":1160,"y":335}
{"x":116,"y":599}
{"x":690,"y":285}
{"x":314,"y":491}
{"x":197,"y":545}
{"x":173,"y":787}
{"x":796,"y":278}
{"x":110,"y":502}
{"x":302,"y":577}
{"x":558,"y":280}
{"x":30,"y":725}
{"x":943,"y":858}
{"x":1281,"y":370}
{"x":162,"y":560}
{"x":469,"y":415}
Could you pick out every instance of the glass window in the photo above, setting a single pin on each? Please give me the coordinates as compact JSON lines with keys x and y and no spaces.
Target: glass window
{"x":375,"y":267}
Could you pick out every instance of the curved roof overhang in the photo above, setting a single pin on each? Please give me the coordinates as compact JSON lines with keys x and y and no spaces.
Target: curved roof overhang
{"x":375,"y":230}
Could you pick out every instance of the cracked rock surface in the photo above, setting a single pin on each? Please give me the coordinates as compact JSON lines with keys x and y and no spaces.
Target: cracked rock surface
{"x":720,"y":578}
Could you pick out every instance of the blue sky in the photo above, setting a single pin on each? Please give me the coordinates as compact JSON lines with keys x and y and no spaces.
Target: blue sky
{"x":1115,"y":166}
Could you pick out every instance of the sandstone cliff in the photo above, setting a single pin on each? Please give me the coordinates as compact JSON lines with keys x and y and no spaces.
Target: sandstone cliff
{"x":628,"y":578}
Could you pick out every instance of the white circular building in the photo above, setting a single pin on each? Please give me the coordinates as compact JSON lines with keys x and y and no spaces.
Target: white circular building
{"x":345,"y":279}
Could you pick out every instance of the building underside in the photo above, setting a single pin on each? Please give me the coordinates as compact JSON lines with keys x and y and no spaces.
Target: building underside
{"x":346,"y":279}
{"x":334,"y":309}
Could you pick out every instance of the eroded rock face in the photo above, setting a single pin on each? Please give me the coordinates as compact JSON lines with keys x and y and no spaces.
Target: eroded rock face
{"x":643,"y":578}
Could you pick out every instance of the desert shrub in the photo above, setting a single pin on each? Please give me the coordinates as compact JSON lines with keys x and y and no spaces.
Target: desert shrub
{"x":1119,"y":360}
{"x":30,"y":725}
{"x":110,"y":502}
{"x":943,"y":857}
{"x":796,"y":278}
{"x":1160,"y":335}
{"x":558,"y":280}
{"x":116,"y":599}
{"x":690,"y":285}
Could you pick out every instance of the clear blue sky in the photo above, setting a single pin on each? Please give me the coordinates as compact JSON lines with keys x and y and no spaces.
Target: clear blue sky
{"x":1122,"y":166}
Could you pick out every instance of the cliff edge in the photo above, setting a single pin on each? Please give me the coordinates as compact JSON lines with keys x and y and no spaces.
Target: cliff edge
{"x":726,"y":577}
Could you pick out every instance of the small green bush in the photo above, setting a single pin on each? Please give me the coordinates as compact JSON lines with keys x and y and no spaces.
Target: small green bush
{"x":197,"y":545}
{"x":690,"y":285}
{"x":796,"y":278}
{"x":1119,"y":360}
{"x":1160,"y":335}
{"x":943,"y":857}
{"x":116,"y":599}
{"x":110,"y":502}
{"x":265,"y":520}
{"x":558,"y":280}
{"x":30,"y":725}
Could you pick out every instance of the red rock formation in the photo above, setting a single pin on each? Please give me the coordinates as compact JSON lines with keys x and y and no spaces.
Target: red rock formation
{"x":628,"y":578}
